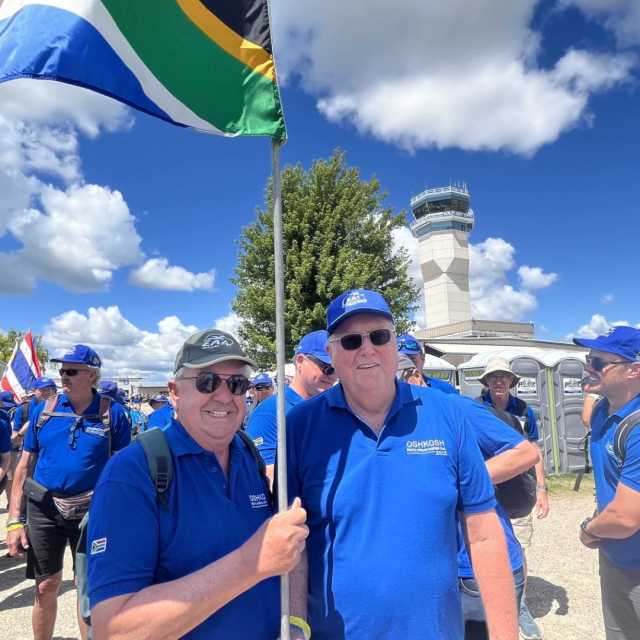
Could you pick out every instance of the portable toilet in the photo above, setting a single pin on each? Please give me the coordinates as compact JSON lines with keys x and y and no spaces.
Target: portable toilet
{"x":435,"y":367}
{"x":531,"y":387}
{"x":563,"y":414}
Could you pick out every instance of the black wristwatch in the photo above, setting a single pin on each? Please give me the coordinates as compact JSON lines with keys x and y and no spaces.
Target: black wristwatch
{"x":583,"y":527}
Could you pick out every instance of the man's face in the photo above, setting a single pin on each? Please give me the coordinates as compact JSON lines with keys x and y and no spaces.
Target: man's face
{"x":78,"y":383}
{"x":499,"y":383}
{"x":310,"y":374}
{"x":42,"y":394}
{"x":608,"y":378}
{"x":369,"y":369}
{"x":262,"y":391}
{"x":418,"y":360}
{"x":216,"y":415}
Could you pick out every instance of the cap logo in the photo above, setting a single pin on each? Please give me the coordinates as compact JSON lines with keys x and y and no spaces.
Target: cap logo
{"x":216,"y":340}
{"x":354,"y":298}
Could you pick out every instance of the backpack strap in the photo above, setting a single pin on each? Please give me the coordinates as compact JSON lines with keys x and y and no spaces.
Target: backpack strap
{"x":159,"y":461}
{"x":623,"y":431}
{"x":104,"y":412}
{"x":262,"y":467}
{"x":507,"y":418}
{"x":48,"y":412}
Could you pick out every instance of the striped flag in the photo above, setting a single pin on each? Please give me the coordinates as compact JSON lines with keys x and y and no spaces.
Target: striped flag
{"x":205,"y":64}
{"x":22,"y":369}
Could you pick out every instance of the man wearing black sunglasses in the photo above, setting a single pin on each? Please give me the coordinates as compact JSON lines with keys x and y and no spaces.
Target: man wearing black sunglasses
{"x":70,"y":438}
{"x":261,"y":388}
{"x":383,"y":468}
{"x":613,"y":371}
{"x":313,"y":375}
{"x":209,"y":557}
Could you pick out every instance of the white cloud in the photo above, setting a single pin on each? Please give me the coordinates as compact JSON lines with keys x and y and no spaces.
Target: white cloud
{"x":156,"y":273}
{"x":535,"y":277}
{"x":597,"y":326}
{"x":607,"y":298}
{"x":78,"y":239}
{"x":126,"y":350}
{"x":620,"y":16}
{"x":461,"y":75}
{"x":229,"y":323}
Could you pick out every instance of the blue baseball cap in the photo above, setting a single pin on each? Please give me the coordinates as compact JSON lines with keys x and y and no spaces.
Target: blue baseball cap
{"x":623,"y":341}
{"x":43,"y":383}
{"x":262,"y":378}
{"x":80,"y":354}
{"x":408,"y":345}
{"x":160,"y":398}
{"x":314,"y":344}
{"x":108,"y":388}
{"x":353,"y":302}
{"x":7,"y":400}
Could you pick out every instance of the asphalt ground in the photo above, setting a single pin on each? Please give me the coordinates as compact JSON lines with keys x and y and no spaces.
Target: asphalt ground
{"x":563,"y":590}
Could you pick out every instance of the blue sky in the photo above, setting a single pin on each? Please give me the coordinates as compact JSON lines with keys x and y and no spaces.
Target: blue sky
{"x":533,"y":105}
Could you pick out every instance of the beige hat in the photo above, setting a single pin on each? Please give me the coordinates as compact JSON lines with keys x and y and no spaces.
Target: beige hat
{"x":499,"y":364}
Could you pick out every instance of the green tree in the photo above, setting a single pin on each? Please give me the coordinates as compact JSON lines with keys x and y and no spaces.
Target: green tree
{"x":337,"y":236}
{"x":8,"y":342}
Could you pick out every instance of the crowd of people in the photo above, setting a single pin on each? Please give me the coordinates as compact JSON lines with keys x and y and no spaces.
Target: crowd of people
{"x":411,"y":505}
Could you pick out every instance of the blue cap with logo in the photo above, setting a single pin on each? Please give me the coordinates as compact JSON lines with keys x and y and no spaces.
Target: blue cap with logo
{"x":80,"y":354}
{"x":408,"y":345}
{"x":108,"y":388}
{"x":314,"y":344}
{"x":43,"y":383}
{"x":353,"y":302}
{"x":623,"y":341}
{"x":262,"y":379}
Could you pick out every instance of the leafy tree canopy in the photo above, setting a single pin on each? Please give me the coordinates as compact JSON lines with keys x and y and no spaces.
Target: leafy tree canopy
{"x":337,"y":236}
{"x":8,"y":342}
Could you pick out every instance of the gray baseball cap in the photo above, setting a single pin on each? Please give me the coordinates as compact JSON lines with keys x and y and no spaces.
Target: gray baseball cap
{"x":209,"y":347}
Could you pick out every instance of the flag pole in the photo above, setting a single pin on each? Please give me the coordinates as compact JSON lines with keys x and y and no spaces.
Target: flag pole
{"x":281,"y":479}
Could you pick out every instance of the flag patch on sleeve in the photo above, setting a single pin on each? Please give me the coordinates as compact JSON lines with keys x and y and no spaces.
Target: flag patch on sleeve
{"x":99,"y":545}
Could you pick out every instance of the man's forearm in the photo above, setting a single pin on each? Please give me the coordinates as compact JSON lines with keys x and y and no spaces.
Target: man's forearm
{"x":614,"y":524}
{"x":512,"y":462}
{"x":172,"y":609}
{"x":492,"y":570}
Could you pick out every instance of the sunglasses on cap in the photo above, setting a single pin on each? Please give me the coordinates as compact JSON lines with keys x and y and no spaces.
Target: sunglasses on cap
{"x":70,"y":372}
{"x":598,"y":364}
{"x":262,"y":387}
{"x":353,"y":341}
{"x":410,"y":344}
{"x":327,"y":369}
{"x":208,"y":382}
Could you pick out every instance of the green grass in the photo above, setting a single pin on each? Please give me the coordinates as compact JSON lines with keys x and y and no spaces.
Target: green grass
{"x":563,"y":484}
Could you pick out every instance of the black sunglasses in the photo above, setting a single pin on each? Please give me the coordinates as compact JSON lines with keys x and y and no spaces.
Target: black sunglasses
{"x":353,"y":341}
{"x":208,"y":382}
{"x":327,"y":369}
{"x":70,"y":372}
{"x":262,"y":387}
{"x":598,"y":364}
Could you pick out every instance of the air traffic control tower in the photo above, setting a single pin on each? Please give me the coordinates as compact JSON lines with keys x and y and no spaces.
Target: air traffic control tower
{"x":443,"y":221}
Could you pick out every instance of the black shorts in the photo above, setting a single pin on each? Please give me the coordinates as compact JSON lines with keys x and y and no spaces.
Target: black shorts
{"x":48,"y":533}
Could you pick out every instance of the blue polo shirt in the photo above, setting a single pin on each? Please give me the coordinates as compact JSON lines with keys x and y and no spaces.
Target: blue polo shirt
{"x":71,"y":452}
{"x":493,"y":437}
{"x":608,"y":471}
{"x":207,"y":518}
{"x":440,"y":385}
{"x":382,"y":512}
{"x":263,"y":423}
{"x":160,"y":417}
{"x":533,"y":434}
{"x":5,"y":432}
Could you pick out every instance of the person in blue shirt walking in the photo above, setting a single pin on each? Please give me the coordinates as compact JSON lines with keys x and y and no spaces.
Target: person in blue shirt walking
{"x":5,"y":446}
{"x":613,"y":371}
{"x":314,"y":374}
{"x":162,"y":412}
{"x":384,"y":470}
{"x":204,"y":565}
{"x":410,"y":347}
{"x":70,"y":439}
{"x":499,"y":380}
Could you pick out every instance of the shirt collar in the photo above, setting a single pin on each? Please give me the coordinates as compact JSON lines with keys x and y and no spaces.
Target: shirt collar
{"x":63,"y":401}
{"x":180,"y":440}
{"x":404,"y":395}
{"x":624,"y":410}
{"x":292,"y":395}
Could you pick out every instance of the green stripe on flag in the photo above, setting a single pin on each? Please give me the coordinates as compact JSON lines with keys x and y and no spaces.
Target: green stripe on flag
{"x":213,"y":84}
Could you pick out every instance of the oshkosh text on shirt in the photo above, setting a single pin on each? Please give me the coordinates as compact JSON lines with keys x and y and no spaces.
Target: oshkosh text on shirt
{"x":433,"y":446}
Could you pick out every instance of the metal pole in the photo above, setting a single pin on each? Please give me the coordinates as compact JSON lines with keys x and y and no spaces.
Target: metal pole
{"x":281,"y":480}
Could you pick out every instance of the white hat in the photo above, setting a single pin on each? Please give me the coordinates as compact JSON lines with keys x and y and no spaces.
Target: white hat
{"x":499,"y":364}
